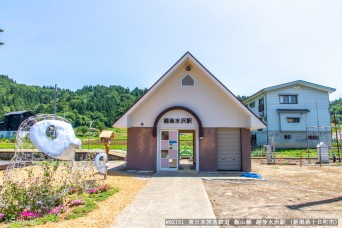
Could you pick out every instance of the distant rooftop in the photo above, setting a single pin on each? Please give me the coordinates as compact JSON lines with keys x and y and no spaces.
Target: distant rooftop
{"x":16,"y":113}
{"x":298,"y":82}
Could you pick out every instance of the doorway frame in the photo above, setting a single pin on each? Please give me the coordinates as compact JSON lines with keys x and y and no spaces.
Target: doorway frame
{"x":196,"y":142}
{"x":193,"y":145}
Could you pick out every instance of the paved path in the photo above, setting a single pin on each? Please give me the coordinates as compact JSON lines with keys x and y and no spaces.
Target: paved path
{"x":167,"y":197}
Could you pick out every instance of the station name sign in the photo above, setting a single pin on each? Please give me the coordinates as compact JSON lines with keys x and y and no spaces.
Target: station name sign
{"x":177,"y":120}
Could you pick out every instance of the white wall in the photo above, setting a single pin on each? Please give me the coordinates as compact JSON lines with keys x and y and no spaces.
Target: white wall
{"x":213,"y":106}
{"x":255,"y":110}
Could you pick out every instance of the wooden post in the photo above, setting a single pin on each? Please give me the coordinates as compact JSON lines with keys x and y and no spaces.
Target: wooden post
{"x":107,"y":148}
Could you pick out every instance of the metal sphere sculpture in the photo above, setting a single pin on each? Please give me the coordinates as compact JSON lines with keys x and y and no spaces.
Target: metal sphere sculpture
{"x":44,"y":163}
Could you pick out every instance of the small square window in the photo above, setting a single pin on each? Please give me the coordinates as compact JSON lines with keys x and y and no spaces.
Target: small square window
{"x":313,"y":137}
{"x":287,"y":136}
{"x":293,"y":120}
{"x":252,"y":105}
{"x":165,"y":135}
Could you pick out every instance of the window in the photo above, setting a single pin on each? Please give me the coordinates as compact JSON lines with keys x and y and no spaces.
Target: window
{"x":188,"y":81}
{"x":288,"y":99}
{"x":293,"y":120}
{"x":287,"y":136}
{"x":252,"y":105}
{"x":313,"y":137}
{"x":261,"y":105}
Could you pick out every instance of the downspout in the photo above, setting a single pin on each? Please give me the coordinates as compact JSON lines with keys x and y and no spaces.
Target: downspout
{"x":266,"y":116}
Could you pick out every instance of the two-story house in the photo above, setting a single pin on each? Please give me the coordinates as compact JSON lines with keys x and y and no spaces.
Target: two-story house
{"x":296,"y":113}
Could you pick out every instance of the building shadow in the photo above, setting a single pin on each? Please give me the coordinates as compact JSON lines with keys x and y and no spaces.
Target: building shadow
{"x":309,"y":204}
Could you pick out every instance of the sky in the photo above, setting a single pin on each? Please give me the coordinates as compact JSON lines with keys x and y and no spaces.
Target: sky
{"x":247,"y":44}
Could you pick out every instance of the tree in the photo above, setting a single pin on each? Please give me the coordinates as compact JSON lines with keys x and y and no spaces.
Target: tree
{"x":100,"y":126}
{"x":83,"y":130}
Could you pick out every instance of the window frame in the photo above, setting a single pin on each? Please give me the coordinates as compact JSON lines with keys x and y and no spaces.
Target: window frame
{"x":287,"y":136}
{"x":293,"y":118}
{"x":288,"y":98}
{"x":261,"y":107}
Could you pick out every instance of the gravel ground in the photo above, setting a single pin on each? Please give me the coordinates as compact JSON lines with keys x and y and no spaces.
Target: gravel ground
{"x":289,"y":192}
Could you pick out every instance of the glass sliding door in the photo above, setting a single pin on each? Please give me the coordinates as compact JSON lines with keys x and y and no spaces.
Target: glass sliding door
{"x":169,"y":150}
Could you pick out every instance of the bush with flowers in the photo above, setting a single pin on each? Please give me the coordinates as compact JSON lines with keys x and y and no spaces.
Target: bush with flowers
{"x":75,"y":204}
{"x":2,"y":216}
{"x":57,"y":210}
{"x":27,"y":215}
{"x":100,"y":189}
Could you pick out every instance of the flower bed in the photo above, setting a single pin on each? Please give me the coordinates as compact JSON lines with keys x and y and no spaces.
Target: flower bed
{"x":75,"y":205}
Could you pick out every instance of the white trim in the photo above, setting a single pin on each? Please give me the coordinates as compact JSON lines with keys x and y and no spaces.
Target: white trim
{"x":159,"y":150}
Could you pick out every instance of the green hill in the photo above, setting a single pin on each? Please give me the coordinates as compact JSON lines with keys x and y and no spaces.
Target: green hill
{"x":336,"y":108}
{"x":99,"y":103}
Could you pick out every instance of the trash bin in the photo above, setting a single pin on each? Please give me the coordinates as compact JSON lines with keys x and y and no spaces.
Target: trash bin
{"x":323,"y":152}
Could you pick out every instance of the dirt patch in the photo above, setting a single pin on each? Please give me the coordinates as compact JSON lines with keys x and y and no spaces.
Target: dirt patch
{"x":289,"y":192}
{"x":105,"y":215}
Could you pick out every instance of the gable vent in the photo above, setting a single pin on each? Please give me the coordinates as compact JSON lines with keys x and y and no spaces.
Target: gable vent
{"x":188,"y":81}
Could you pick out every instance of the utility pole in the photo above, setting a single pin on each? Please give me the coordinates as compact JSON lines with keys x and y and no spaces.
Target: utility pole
{"x":90,"y":124}
{"x":54,"y":104}
{"x":338,"y":146}
{"x":1,"y":42}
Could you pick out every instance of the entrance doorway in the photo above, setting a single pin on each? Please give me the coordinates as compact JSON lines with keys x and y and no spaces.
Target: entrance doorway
{"x":187,"y":150}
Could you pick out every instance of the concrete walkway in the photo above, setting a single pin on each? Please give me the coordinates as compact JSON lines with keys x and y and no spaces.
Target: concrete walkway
{"x":167,"y":197}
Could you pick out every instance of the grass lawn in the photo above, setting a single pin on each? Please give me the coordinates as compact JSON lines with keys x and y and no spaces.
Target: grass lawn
{"x":94,"y":143}
{"x":4,"y":145}
{"x":292,"y":153}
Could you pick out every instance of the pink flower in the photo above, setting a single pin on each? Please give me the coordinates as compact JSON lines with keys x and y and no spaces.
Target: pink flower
{"x":92,"y":191}
{"x":27,"y":215}
{"x":72,"y":190}
{"x":103,"y":188}
{"x":57,"y":210}
{"x":1,"y":216}
{"x":76,"y":202}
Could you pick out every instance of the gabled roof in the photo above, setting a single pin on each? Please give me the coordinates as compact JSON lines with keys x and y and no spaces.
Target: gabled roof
{"x":187,"y":57}
{"x":298,"y":82}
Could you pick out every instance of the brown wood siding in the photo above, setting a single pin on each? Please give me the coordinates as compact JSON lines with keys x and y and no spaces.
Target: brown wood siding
{"x":207,"y":150}
{"x":141,"y":149}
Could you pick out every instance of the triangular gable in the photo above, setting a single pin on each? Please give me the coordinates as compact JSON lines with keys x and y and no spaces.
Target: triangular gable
{"x":284,"y":85}
{"x":123,"y":120}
